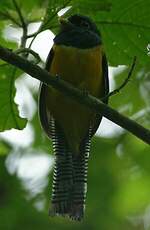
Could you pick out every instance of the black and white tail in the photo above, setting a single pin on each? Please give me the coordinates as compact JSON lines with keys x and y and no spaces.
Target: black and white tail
{"x":70,"y":176}
{"x":62,"y":176}
{"x":80,"y":169}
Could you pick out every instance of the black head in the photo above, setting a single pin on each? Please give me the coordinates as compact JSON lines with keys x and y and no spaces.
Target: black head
{"x":78,"y":31}
{"x":83,"y":22}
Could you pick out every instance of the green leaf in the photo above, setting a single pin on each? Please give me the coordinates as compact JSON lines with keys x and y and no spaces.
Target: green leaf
{"x":50,"y":19}
{"x":28,"y":5}
{"x":137,"y":151}
{"x":133,"y":99}
{"x":9,"y":115}
{"x":91,"y":7}
{"x":129,"y":97}
{"x":124,"y":26}
{"x":32,"y":11}
{"x":3,"y":41}
{"x":132,"y":194}
{"x":6,"y":4}
{"x":3,"y":16}
{"x":125,"y":30}
{"x":4,"y":148}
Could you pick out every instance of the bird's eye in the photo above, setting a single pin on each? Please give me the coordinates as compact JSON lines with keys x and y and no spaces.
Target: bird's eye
{"x":84,"y":24}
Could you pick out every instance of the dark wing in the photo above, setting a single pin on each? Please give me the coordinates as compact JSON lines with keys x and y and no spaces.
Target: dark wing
{"x":98,"y":117}
{"x":44,"y":115}
{"x":105,"y":77}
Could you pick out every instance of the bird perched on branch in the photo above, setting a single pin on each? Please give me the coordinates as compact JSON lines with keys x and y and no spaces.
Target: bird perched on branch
{"x":77,"y":57}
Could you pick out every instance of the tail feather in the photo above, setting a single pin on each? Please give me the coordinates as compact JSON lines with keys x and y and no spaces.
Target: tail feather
{"x":62,"y":176}
{"x":80,"y":168}
{"x":69,"y":177}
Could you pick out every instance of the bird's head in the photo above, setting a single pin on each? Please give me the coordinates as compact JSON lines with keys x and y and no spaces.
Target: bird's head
{"x":78,"y":31}
{"x":78,"y":22}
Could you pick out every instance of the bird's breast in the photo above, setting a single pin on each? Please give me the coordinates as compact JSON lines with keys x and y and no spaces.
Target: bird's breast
{"x":83,"y":69}
{"x":80,"y":67}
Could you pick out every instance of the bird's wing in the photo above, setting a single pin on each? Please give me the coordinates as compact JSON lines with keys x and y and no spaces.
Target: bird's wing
{"x":98,"y":117}
{"x":44,"y":114}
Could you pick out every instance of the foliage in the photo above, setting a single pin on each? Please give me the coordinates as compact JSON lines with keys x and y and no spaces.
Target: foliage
{"x":125,"y":31}
{"x":118,"y":183}
{"x":9,"y":111}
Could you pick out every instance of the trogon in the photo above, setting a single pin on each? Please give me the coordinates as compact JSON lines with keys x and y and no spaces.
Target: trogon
{"x":78,"y":57}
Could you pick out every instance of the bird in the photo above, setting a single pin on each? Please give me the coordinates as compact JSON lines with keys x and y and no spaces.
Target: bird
{"x":78,"y":57}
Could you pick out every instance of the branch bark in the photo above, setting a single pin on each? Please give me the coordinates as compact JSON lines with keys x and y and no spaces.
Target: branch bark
{"x":76,"y":94}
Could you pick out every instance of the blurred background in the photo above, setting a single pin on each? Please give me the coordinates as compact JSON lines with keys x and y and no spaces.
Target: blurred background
{"x":119,"y":166}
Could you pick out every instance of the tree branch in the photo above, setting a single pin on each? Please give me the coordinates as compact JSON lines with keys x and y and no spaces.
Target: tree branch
{"x":76,"y":94}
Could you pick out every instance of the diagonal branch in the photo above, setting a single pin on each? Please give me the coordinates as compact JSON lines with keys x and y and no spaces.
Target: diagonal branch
{"x":76,"y":94}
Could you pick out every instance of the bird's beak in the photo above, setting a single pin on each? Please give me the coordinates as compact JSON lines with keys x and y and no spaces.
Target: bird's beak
{"x":65,"y":24}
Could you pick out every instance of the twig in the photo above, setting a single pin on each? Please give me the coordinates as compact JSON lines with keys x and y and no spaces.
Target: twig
{"x":27,"y":51}
{"x":76,"y":94}
{"x":44,"y":24}
{"x":7,"y":15}
{"x":56,"y":12}
{"x":19,"y":13}
{"x":37,"y":32}
{"x":124,"y":82}
{"x":23,"y":23}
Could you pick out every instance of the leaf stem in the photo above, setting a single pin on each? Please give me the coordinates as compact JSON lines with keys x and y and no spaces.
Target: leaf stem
{"x":114,"y":92}
{"x":7,"y":15}
{"x":43,"y":25}
{"x":23,"y":24}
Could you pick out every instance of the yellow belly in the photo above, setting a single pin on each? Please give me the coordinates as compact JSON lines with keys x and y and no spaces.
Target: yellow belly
{"x":83,"y":69}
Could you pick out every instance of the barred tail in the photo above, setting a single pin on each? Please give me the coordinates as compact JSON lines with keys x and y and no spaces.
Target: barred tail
{"x":70,"y":176}
{"x":80,"y":168}
{"x":62,"y":177}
